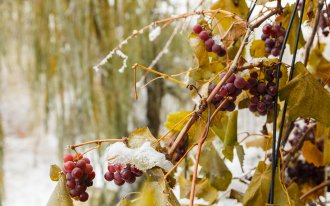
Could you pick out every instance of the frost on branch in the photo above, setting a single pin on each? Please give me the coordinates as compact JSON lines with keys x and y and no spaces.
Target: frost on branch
{"x":144,"y":157}
{"x":154,"y":33}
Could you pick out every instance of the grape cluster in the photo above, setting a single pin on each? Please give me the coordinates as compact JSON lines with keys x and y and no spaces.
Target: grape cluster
{"x":180,"y":149}
{"x":79,"y":175}
{"x":273,"y":35}
{"x":263,"y":91}
{"x":210,"y":44}
{"x":233,"y":87}
{"x":303,"y":172}
{"x":122,"y":173}
{"x":324,"y":22}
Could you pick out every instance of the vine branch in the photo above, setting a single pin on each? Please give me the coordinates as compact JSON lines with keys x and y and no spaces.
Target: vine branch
{"x":314,"y":189}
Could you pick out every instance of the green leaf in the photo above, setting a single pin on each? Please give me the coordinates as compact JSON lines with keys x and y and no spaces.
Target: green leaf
{"x":60,"y":195}
{"x":55,"y":172}
{"x":258,"y":49}
{"x":306,"y":97}
{"x":257,"y":192}
{"x":294,"y":193}
{"x":285,"y":23}
{"x":231,"y":136}
{"x":203,"y":189}
{"x":214,"y":168}
{"x":240,"y":154}
{"x":139,"y":136}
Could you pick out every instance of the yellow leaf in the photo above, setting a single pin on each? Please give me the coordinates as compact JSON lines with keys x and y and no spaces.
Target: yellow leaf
{"x":257,"y":192}
{"x":285,"y":22}
{"x":60,"y":195}
{"x":235,"y":31}
{"x":312,"y":154}
{"x":306,"y":97}
{"x":55,"y":172}
{"x":261,"y":142}
{"x":258,"y":49}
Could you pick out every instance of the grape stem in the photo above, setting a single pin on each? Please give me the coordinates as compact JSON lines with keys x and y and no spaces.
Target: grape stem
{"x":314,"y":189}
{"x":97,"y":141}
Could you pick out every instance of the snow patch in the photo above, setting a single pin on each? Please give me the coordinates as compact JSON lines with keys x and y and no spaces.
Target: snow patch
{"x":154,"y":33}
{"x":144,"y":157}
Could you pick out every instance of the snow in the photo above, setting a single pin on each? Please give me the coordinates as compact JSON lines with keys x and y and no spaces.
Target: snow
{"x":143,"y":158}
{"x":154,"y":33}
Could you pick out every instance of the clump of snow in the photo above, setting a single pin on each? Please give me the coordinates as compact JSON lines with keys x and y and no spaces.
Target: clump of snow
{"x":144,"y":157}
{"x":154,"y":33}
{"x":125,"y":57}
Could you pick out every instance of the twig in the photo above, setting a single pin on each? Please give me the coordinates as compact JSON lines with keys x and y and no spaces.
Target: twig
{"x":251,"y":10}
{"x":162,"y":21}
{"x":314,"y":189}
{"x":98,"y":141}
{"x":272,"y":184}
{"x":316,"y":26}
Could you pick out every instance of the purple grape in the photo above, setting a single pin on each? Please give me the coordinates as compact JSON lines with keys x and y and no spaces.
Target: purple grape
{"x":267,"y":99}
{"x":231,"y":79}
{"x":272,"y":90}
{"x":261,"y":107}
{"x":126,"y":174}
{"x":254,"y":100}
{"x":231,"y":107}
{"x":264,"y":36}
{"x":216,"y":48}
{"x":240,"y":82}
{"x":77,"y":173}
{"x":222,"y":74}
{"x":253,"y":82}
{"x":254,"y":74}
{"x":267,"y":29}
{"x":204,"y":35}
{"x":269,"y":43}
{"x":222,"y":52}
{"x":108,"y":176}
{"x":83,"y":197}
{"x":268,"y":50}
{"x":208,"y":44}
{"x":197,"y":28}
{"x":253,"y":91}
{"x":275,"y":51}
{"x":261,"y":88}
{"x":230,"y":88}
{"x":223,"y":91}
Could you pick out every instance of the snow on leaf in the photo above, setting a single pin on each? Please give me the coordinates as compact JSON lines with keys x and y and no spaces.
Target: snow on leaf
{"x":257,"y":192}
{"x":144,"y":157}
{"x":60,"y":195}
{"x":55,"y":172}
{"x":306,"y":97}
{"x":154,"y":33}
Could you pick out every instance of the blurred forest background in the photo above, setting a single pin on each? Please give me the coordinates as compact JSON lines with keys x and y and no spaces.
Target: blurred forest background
{"x":51,"y":97}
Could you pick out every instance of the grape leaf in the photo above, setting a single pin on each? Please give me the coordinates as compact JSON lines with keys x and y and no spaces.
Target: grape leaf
{"x":55,"y":172}
{"x":235,"y":31}
{"x":319,"y":65}
{"x":60,"y":195}
{"x":258,"y":49}
{"x":257,"y":192}
{"x":285,"y":23}
{"x":176,"y":121}
{"x":199,"y":50}
{"x":203,"y":189}
{"x":219,"y":125}
{"x":312,"y":154}
{"x":240,"y":154}
{"x":261,"y":142}
{"x":323,"y":133}
{"x":309,"y":11}
{"x":295,"y":193}
{"x":231,"y":136}
{"x":238,"y":7}
{"x":139,"y":136}
{"x":214,"y":168}
{"x":306,"y":97}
